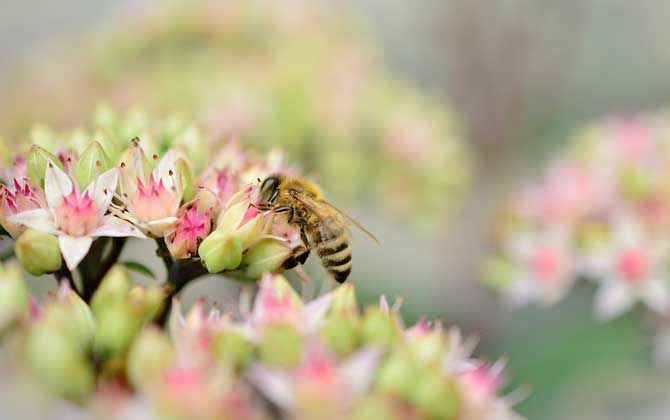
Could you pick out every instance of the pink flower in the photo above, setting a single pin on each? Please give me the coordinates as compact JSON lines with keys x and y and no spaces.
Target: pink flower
{"x":76,"y":218}
{"x":191,"y":229}
{"x":320,"y":387}
{"x":151,"y":200}
{"x":634,"y":266}
{"x":20,"y":197}
{"x":545,"y":270}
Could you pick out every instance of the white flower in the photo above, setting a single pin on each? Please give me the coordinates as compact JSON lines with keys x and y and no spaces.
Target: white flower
{"x":75,"y":217}
{"x":633,"y":267}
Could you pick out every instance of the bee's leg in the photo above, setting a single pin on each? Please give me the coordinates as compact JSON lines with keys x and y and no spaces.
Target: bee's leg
{"x":302,"y":258}
{"x":299,"y":257}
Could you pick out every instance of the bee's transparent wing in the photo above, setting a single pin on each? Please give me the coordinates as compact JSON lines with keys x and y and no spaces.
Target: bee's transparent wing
{"x":315,"y":207}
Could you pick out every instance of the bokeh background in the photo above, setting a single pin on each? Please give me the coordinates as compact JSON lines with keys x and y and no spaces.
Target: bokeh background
{"x":519,"y":76}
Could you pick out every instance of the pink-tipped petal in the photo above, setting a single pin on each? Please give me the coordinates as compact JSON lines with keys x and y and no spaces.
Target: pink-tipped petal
{"x":112,"y":226}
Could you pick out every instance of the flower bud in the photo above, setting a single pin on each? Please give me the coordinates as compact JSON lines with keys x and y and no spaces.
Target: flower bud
{"x":14,"y":296}
{"x":398,"y":375}
{"x":150,"y":354}
{"x":344,"y":301}
{"x":341,"y":334}
{"x":242,"y":220}
{"x":69,"y":314}
{"x":38,"y":252}
{"x":233,"y":349}
{"x":92,"y":162}
{"x":37,"y":164}
{"x":267,"y":256}
{"x":114,"y":288}
{"x":379,"y":327}
{"x":147,"y":300}
{"x":436,"y":397}
{"x":220,"y":251}
{"x":426,"y":344}
{"x":280,"y":346}
{"x":374,"y":407}
{"x":498,"y":271}
{"x":57,"y":363}
{"x":116,"y":327}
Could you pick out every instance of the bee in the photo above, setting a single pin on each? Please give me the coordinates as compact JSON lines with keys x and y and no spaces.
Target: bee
{"x":323,"y":227}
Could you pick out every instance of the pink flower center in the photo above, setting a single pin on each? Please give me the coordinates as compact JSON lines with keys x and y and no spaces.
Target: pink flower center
{"x":633,"y":265}
{"x":546,"y":263}
{"x":482,"y":382}
{"x":154,"y":201}
{"x":277,"y":309}
{"x":192,"y":228}
{"x":250,"y":214}
{"x":77,"y":216}
{"x":23,"y":198}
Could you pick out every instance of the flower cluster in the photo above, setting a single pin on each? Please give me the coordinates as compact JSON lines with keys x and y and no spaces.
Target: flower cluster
{"x":601,"y":213}
{"x":278,"y":357}
{"x":59,"y":204}
{"x":293,"y":74}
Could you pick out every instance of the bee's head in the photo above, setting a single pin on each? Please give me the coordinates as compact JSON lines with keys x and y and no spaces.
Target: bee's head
{"x":269,"y":191}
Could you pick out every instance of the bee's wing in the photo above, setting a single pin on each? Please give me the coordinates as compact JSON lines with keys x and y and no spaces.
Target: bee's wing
{"x":315,"y":207}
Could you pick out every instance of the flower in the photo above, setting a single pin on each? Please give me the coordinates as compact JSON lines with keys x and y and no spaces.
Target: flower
{"x":632,"y":267}
{"x":75,"y":217}
{"x":21,"y":196}
{"x":192,"y":227}
{"x":151,"y":199}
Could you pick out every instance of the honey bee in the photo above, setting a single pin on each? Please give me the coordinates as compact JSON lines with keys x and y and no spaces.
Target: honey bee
{"x":323,"y":227}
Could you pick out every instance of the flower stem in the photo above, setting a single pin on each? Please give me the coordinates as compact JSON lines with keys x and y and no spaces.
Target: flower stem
{"x":92,"y":280}
{"x":64,"y":272}
{"x":180,"y":273}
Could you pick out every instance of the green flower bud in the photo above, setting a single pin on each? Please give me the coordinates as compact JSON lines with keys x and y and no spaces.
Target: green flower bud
{"x":220,"y":251}
{"x":38,"y":252}
{"x":437,"y":397}
{"x":267,"y":256}
{"x":230,"y":221}
{"x":373,"y":408}
{"x":398,"y":375}
{"x":58,"y":363}
{"x":341,"y":334}
{"x":92,"y":162}
{"x":280,"y":346}
{"x":37,"y":164}
{"x":114,"y":288}
{"x":147,"y":300}
{"x":344,"y":301}
{"x":636,"y":183}
{"x":150,"y":354}
{"x":429,"y":347}
{"x":70,"y":315}
{"x":14,"y":296}
{"x":185,"y":176}
{"x":233,"y":349}
{"x":116,"y":327}
{"x":498,"y":271}
{"x":379,"y":327}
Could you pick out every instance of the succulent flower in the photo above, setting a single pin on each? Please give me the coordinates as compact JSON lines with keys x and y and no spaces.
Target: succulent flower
{"x":601,"y":213}
{"x":76,"y":217}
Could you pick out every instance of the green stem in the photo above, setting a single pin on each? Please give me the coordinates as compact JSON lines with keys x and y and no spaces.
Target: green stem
{"x":64,"y":272}
{"x":94,"y":277}
{"x":180,"y":273}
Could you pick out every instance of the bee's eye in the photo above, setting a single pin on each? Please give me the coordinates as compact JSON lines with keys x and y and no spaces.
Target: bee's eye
{"x":269,"y":189}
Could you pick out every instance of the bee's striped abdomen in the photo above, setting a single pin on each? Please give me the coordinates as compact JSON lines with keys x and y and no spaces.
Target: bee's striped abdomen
{"x":335,"y":255}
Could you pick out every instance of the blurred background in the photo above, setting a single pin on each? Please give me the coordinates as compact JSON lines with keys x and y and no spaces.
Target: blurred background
{"x":504,"y":84}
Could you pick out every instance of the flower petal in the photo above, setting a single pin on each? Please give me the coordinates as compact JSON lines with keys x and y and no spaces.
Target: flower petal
{"x":74,"y":249}
{"x":56,"y":185}
{"x":359,"y":370}
{"x":656,"y":295}
{"x":612,"y":299}
{"x":158,"y":228}
{"x":314,"y":313}
{"x":275,"y":385}
{"x":113,"y":226}
{"x":40,"y":219}
{"x":102,"y":189}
